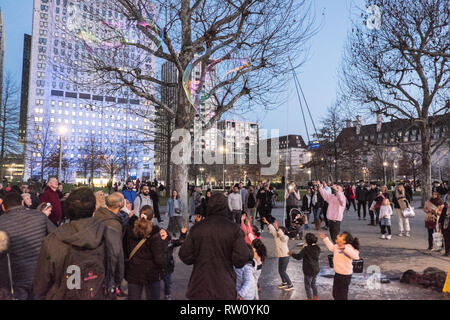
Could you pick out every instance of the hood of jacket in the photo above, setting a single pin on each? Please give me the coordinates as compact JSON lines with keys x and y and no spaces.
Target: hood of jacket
{"x":104,"y":213}
{"x":217,"y":205}
{"x":84,"y":233}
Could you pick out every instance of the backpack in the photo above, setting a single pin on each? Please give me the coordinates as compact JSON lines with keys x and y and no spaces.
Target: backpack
{"x":85,"y":274}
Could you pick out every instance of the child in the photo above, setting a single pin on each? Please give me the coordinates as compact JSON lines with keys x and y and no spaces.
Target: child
{"x":282,"y":250}
{"x":310,"y":255}
{"x":247,"y":276}
{"x":249,"y":229}
{"x":170,"y":263}
{"x":385,"y":219}
{"x":344,"y":251}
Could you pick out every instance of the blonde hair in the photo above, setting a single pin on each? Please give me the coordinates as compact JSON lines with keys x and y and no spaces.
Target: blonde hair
{"x":386,"y":202}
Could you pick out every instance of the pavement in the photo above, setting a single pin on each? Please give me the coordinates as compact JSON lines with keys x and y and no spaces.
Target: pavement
{"x":387,"y":258}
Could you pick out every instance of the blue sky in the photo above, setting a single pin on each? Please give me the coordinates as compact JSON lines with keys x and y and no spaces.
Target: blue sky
{"x":318,"y":76}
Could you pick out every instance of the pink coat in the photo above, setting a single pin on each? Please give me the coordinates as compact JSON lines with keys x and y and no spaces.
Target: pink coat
{"x":336,"y":204}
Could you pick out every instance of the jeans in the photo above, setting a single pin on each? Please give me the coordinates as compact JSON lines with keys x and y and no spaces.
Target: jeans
{"x":251,"y":212}
{"x":167,"y":284}
{"x":363,"y":204}
{"x":307,"y":219}
{"x":350,"y":201}
{"x":402,"y":221}
{"x":282,"y":266}
{"x":340,"y":286}
{"x":237,"y":216}
{"x":335,"y":229}
{"x":152,"y":291}
{"x":22,"y":292}
{"x":316,"y":213}
{"x":310,"y":283}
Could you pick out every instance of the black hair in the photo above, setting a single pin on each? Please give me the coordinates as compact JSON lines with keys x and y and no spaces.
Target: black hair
{"x":12,"y":199}
{"x":252,"y":254}
{"x":349,"y":239}
{"x":310,"y":238}
{"x":16,"y":189}
{"x":81,"y":203}
{"x":260,"y":248}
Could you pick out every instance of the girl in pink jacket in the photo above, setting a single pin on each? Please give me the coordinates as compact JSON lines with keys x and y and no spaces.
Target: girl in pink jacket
{"x":344,"y":251}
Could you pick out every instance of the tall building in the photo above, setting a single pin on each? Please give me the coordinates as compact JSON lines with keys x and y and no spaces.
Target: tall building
{"x":2,"y":53}
{"x":63,"y":95}
{"x":25,"y":87}
{"x":164,"y":123}
{"x":238,"y":138}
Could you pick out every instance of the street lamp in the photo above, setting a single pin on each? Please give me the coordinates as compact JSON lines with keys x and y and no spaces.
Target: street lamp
{"x":62,"y":131}
{"x":223,"y":150}
{"x":201,"y":174}
{"x":309,"y":172}
{"x":385,"y":164}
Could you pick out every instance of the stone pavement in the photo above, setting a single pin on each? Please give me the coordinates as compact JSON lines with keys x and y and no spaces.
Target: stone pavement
{"x":392,"y":257}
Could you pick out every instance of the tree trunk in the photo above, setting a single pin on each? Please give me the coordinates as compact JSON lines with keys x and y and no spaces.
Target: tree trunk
{"x":426,"y":161}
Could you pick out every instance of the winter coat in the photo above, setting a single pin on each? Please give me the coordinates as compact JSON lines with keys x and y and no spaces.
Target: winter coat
{"x":148,"y":262}
{"x":89,"y":234}
{"x":320,"y":203}
{"x":26,"y":229}
{"x":401,"y":199}
{"x":140,"y":201}
{"x":310,"y":256}
{"x":214,"y":245}
{"x":247,"y":281}
{"x":281,"y":242}
{"x":361,"y":193}
{"x":247,"y":198}
{"x":52,"y":196}
{"x":129,"y":195}
{"x":371,"y":196}
{"x":114,"y":224}
{"x":170,"y":209}
{"x":306,"y":203}
{"x":379,"y":201}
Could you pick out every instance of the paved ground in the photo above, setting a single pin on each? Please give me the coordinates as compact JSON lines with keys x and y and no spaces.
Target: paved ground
{"x":392,"y":257}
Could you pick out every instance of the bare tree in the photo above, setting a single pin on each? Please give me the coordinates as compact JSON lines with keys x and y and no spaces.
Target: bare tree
{"x":92,"y":158}
{"x":400,"y":67}
{"x":201,"y":34}
{"x":9,"y":119}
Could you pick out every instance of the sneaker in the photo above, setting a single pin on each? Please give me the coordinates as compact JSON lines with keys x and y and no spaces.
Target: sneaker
{"x":408,"y":235}
{"x":300,"y":244}
{"x":168,"y":297}
{"x":289,"y":288}
{"x":400,"y":234}
{"x":388,"y":237}
{"x":383,"y":236}
{"x":283,"y":285}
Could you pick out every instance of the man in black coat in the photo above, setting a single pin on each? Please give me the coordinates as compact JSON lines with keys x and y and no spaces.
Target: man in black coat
{"x":214,"y":245}
{"x":361,"y":194}
{"x":26,"y":229}
{"x":84,"y":233}
{"x":372,"y":193}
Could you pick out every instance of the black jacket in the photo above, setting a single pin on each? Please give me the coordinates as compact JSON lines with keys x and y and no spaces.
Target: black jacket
{"x":320,"y":202}
{"x":361,"y":193}
{"x":310,"y":256}
{"x":371,"y":196}
{"x":26,"y":229}
{"x":171,"y":244}
{"x":115,"y":233}
{"x":305,"y":205}
{"x":214,"y":245}
{"x":88,"y":233}
{"x":147,"y":264}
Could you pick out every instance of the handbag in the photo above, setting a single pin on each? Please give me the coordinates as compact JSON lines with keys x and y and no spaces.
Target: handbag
{"x":437,"y":240}
{"x":409,"y":211}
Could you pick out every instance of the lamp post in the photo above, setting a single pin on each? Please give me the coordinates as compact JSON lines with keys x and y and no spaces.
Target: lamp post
{"x":395,"y":167}
{"x":385,"y":164}
{"x":201,"y":175}
{"x":309,"y":173}
{"x":62,"y":130}
{"x":223,"y":150}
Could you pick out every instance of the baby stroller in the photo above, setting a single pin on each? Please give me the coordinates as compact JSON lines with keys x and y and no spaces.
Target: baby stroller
{"x":298,"y":219}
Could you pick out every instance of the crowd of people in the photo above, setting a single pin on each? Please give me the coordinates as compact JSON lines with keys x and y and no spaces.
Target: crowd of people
{"x":86,"y":245}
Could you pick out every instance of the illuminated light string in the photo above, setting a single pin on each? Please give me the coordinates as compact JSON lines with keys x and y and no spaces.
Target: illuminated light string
{"x":191,"y":86}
